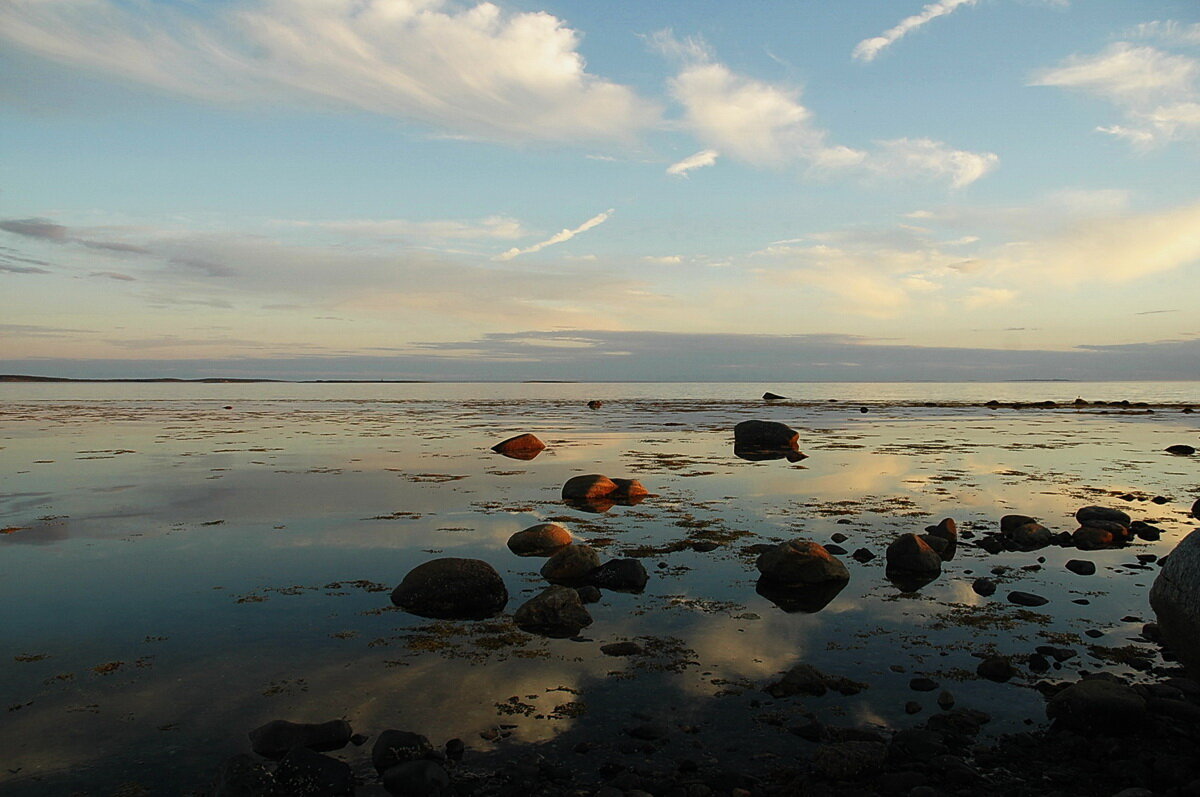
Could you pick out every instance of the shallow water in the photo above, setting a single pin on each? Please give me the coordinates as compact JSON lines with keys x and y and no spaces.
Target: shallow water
{"x":176,"y":574}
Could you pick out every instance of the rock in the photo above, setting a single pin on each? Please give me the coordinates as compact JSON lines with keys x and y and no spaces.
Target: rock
{"x":1175,"y":598}
{"x":588,"y":594}
{"x":1087,"y":538}
{"x":523,"y":446}
{"x":1145,"y":531}
{"x":922,"y":684}
{"x":622,"y":649}
{"x":849,"y":760}
{"x":544,"y":539}
{"x":1027,"y":599}
{"x":1196,"y":509}
{"x":275,"y":739}
{"x":911,"y":554}
{"x":455,"y":749}
{"x":554,"y":612}
{"x":984,"y":586}
{"x":993,"y":543}
{"x":1030,"y":536}
{"x":836,"y":549}
{"x":837,"y":536}
{"x":243,"y":775}
{"x":417,"y":779}
{"x":592,"y":485}
{"x":946,"y":530}
{"x":1181,"y":450}
{"x":1081,"y":567}
{"x":768,"y":435}
{"x":995,"y":668}
{"x":862,"y":555}
{"x":1098,"y":706}
{"x":595,"y":404}
{"x":768,"y":396}
{"x":622,"y":575}
{"x":628,"y":490}
{"x":1089,"y":513}
{"x":945,"y":700}
{"x":804,"y":679}
{"x":394,"y":747}
{"x":452,"y":589}
{"x":304,"y":772}
{"x":1009,"y":523}
{"x":571,"y":564}
{"x":801,"y":563}
{"x":649,"y":731}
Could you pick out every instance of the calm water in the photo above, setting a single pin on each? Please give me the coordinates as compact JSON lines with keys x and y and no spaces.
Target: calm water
{"x":175,"y":574}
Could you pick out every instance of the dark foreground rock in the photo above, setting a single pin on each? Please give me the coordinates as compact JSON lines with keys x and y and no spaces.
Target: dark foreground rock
{"x":621,"y":575}
{"x":768,"y":435}
{"x":554,"y":612}
{"x":278,"y":737}
{"x":799,"y":563}
{"x":571,"y":565}
{"x":1175,"y":598}
{"x":452,"y":589}
{"x":307,"y":774}
{"x":910,"y":553}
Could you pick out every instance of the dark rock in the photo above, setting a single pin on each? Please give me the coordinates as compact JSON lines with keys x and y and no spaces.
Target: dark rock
{"x":592,"y":485}
{"x":862,"y":555}
{"x":621,"y":575}
{"x":768,"y":454}
{"x":1089,"y":513}
{"x":1009,"y":523}
{"x":703,"y":546}
{"x":946,"y":530}
{"x":1027,"y":599}
{"x":243,"y":775}
{"x":455,"y":749}
{"x":1030,"y":536}
{"x":523,"y":446}
{"x":801,"y":563}
{"x":1098,"y":706}
{"x":595,"y":404}
{"x":916,"y":744}
{"x":1081,"y":567}
{"x":1087,"y":538}
{"x":995,"y":668}
{"x":922,"y":684}
{"x":571,"y":565}
{"x":912,"y":707}
{"x":1175,"y":598}
{"x":628,"y":491}
{"x":804,"y":679}
{"x":1145,"y":531}
{"x":1196,"y":509}
{"x":544,"y":539}
{"x":452,"y":589}
{"x":275,"y":739}
{"x":838,"y":537}
{"x":984,"y":586}
{"x":555,"y":612}
{"x":649,"y":731}
{"x":1181,"y":450}
{"x":622,"y":649}
{"x":770,"y":435}
{"x":588,"y":594}
{"x":863,"y":410}
{"x":992,"y":543}
{"x":396,"y":747}
{"x":304,"y":772}
{"x":768,"y":396}
{"x":909,"y":553}
{"x":417,"y":779}
{"x":836,"y":549}
{"x":945,"y":700}
{"x":849,"y":760}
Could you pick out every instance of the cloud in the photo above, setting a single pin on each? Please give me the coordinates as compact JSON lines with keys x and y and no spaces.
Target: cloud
{"x":664,"y":260}
{"x":987,"y":297}
{"x":906,"y":157}
{"x":558,"y":238}
{"x":491,"y":227}
{"x":1169,"y":31}
{"x":113,"y":275}
{"x":472,"y":70}
{"x":1155,"y":90}
{"x":869,"y":49}
{"x":706,"y":157}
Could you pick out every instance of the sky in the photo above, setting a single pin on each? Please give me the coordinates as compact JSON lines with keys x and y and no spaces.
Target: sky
{"x":427,"y":189}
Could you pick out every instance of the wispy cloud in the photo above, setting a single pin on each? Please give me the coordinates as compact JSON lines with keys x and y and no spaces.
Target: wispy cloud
{"x":869,"y":49}
{"x":706,"y":157}
{"x":1169,"y":31}
{"x":472,"y":70}
{"x":663,"y":260}
{"x":558,"y":238}
{"x":491,"y":227}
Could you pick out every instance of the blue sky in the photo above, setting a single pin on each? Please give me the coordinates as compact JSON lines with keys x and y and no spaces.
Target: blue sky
{"x":425,"y":189}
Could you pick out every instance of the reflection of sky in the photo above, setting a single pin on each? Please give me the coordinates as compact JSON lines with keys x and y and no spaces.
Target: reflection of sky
{"x":204,"y":507}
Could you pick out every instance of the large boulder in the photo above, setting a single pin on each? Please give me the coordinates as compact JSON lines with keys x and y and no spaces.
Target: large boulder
{"x":1029,"y":536}
{"x":801,"y":563}
{"x":452,"y":589}
{"x":1175,"y":598}
{"x":554,"y":612}
{"x":571,"y":565}
{"x":1010,"y":522}
{"x":1090,"y":538}
{"x":592,"y":485}
{"x":544,"y":539}
{"x":1098,"y":706}
{"x":1089,"y":513}
{"x":278,"y":737}
{"x":621,"y":575}
{"x":523,"y":446}
{"x":911,"y":554}
{"x":768,"y":435}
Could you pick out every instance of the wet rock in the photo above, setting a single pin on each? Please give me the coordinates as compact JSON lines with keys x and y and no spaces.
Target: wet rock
{"x":628,"y":490}
{"x":1081,"y":567}
{"x":452,"y":589}
{"x":769,"y":396}
{"x":275,"y":739}
{"x":304,"y":772}
{"x":1175,"y":598}
{"x":544,"y":539}
{"x":837,"y":536}
{"x":862,"y":555}
{"x":922,"y":684}
{"x":571,"y":565}
{"x":1196,"y":509}
{"x":849,"y":760}
{"x":995,"y":668}
{"x":808,"y":599}
{"x":243,"y":775}
{"x":836,"y":549}
{"x":984,"y":586}
{"x":992,"y":543}
{"x":595,"y":404}
{"x":588,"y":594}
{"x":799,"y":563}
{"x":1090,"y":513}
{"x":591,"y":485}
{"x":1009,"y":523}
{"x":554,"y":612}
{"x":1098,"y":706}
{"x":946,"y":530}
{"x":622,"y":649}
{"x":621,"y":575}
{"x":1181,"y":450}
{"x":394,"y":747}
{"x":910,"y":554}
{"x":768,"y":454}
{"x":523,"y":446}
{"x":1027,"y":599}
{"x":417,"y":779}
{"x":804,"y":679}
{"x":1088,"y":538}
{"x":912,"y":707}
{"x":945,"y":700}
{"x":1145,"y":531}
{"x":765,"y":435}
{"x":1030,"y":536}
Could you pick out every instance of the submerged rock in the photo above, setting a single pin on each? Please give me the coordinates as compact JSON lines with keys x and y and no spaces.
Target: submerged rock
{"x":804,"y":679}
{"x":555,"y":612}
{"x":275,"y":739}
{"x":1027,"y":599}
{"x":452,"y":589}
{"x":523,"y":446}
{"x":799,"y":563}
{"x":544,"y":539}
{"x":1081,"y":567}
{"x":571,"y":565}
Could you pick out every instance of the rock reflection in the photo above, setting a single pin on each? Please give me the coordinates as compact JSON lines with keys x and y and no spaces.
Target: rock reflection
{"x":910,"y":581}
{"x":794,"y":599}
{"x":766,"y":454}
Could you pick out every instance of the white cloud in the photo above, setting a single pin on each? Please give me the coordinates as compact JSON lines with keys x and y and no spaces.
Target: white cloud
{"x":907,"y":157}
{"x":1169,"y":31}
{"x":473,"y":70}
{"x":664,"y":260}
{"x":1155,"y":90}
{"x":492,"y":227}
{"x":868,"y":49}
{"x":558,"y":238}
{"x":706,"y":157}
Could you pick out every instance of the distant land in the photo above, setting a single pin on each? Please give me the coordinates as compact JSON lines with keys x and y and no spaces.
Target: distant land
{"x":208,"y":380}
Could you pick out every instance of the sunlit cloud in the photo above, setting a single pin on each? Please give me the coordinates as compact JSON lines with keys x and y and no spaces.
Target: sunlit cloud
{"x":558,"y":238}
{"x":869,"y":49}
{"x":701,"y":159}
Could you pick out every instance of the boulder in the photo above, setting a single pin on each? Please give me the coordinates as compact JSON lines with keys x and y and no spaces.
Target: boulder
{"x":911,"y":554}
{"x":275,"y":739}
{"x":770,"y":435}
{"x":1175,"y":598}
{"x":1030,"y":536}
{"x":769,"y":396}
{"x":996,"y":668}
{"x":1010,"y":522}
{"x":417,"y":779}
{"x":571,"y":565}
{"x":1181,"y":450}
{"x":544,"y":539}
{"x":628,"y":490}
{"x":1093,"y":539}
{"x":452,"y":589}
{"x":984,"y":587}
{"x":1098,"y":706}
{"x":554,"y":612}
{"x":946,"y":530}
{"x":592,"y":485}
{"x":801,"y":563}
{"x":1081,"y":567}
{"x":621,"y":575}
{"x":595,"y":404}
{"x":1027,"y":599}
{"x":303,"y":772}
{"x":394,"y":747}
{"x":523,"y":446}
{"x":1089,"y":513}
